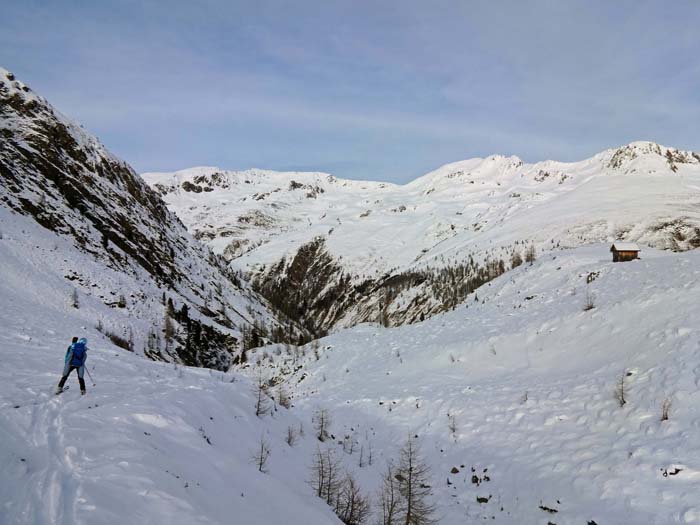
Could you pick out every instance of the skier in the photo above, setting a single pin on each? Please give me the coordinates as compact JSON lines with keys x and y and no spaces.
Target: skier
{"x":76,"y":355}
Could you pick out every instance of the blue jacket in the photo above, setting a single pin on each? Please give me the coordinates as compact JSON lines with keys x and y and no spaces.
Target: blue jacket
{"x":77,"y":360}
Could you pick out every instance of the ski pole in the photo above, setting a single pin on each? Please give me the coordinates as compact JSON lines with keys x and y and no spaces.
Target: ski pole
{"x":91,"y":379}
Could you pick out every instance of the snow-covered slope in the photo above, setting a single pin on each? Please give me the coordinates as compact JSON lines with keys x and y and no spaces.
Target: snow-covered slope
{"x":90,"y":220}
{"x":527,"y":374}
{"x":150,"y":443}
{"x":479,"y":208}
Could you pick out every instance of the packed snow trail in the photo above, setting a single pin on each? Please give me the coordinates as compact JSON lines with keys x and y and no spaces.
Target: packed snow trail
{"x":151,"y":443}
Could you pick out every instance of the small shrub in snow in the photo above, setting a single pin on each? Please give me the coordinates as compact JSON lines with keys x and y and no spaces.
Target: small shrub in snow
{"x":620,"y":390}
{"x":322,"y":422}
{"x":389,"y":497}
{"x":130,"y":339}
{"x":297,"y":353}
{"x":452,"y":423}
{"x":152,"y":342}
{"x":665,"y":409}
{"x":530,"y":254}
{"x":291,"y":437}
{"x":589,"y":302}
{"x":413,"y":476}
{"x":515,"y":259}
{"x":261,"y":454}
{"x":262,"y":399}
{"x":349,"y":442}
{"x":74,"y":299}
{"x":168,"y":329}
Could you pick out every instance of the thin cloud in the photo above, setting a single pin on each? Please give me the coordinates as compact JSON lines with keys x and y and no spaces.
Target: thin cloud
{"x":363,"y":89}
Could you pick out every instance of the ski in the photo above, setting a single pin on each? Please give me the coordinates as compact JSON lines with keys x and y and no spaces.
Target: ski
{"x":62,"y":390}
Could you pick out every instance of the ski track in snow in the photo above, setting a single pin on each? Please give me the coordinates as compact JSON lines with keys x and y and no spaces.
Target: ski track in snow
{"x":133,"y":449}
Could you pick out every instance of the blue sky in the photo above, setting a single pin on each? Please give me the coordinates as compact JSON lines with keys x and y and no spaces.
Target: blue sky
{"x":383,"y":90}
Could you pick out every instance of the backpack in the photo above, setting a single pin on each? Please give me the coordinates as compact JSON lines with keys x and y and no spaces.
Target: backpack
{"x":79,"y":351}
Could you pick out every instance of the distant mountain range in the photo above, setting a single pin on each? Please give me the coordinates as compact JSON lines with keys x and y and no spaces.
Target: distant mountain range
{"x":336,"y":252}
{"x":294,"y":255}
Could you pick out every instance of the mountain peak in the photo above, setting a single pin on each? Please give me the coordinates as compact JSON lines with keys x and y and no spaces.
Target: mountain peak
{"x":13,"y":85}
{"x":624,"y":156}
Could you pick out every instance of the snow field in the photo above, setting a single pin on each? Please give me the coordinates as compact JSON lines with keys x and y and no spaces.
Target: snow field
{"x":152,"y":442}
{"x":527,"y":375}
{"x":529,"y":379}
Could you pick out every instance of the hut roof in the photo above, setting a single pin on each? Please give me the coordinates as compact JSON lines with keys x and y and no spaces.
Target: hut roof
{"x":625,"y":247}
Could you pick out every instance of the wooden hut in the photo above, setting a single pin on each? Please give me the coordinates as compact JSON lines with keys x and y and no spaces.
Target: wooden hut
{"x":624,"y":251}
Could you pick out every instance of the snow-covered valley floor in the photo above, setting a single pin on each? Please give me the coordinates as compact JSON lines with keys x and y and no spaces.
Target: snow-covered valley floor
{"x":527,"y":379}
{"x":524,"y":375}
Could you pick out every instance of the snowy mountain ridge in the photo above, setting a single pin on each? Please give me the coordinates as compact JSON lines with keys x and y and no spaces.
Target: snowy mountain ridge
{"x":271,"y":225}
{"x":125,"y":247}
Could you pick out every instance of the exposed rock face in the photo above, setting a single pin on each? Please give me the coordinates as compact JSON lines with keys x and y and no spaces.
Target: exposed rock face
{"x":313,"y":288}
{"x":76,"y":189}
{"x":673,"y":156}
{"x":55,"y":172}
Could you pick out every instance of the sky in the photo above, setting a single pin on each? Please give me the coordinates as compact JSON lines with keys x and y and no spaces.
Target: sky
{"x":382,"y":90}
